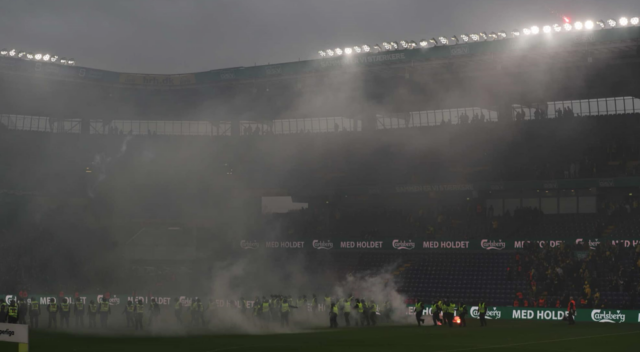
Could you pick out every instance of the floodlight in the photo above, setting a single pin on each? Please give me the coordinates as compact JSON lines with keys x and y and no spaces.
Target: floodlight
{"x":515,"y":33}
{"x":366,"y":48}
{"x":403,"y":44}
{"x":578,"y":26}
{"x":433,"y":41}
{"x":12,"y":52}
{"x":611,"y":22}
{"x":588,"y":24}
{"x":567,"y":27}
{"x":424,"y":43}
{"x":535,"y":30}
{"x":377,"y":48}
{"x":634,"y":21}
{"x":443,"y":40}
{"x":600,"y":23}
{"x":29,"y":56}
{"x":623,"y":21}
{"x":71,"y":62}
{"x":464,"y":37}
{"x":526,"y":31}
{"x":4,"y":52}
{"x":54,"y":58}
{"x":38,"y":56}
{"x":348,"y":51}
{"x":557,"y":27}
{"x":22,"y":54}
{"x":394,"y":45}
{"x":338,"y":51}
{"x":357,"y":49}
{"x":493,"y":35}
{"x":502,"y":34}
{"x":455,"y":40}
{"x":546,"y":29}
{"x":322,"y":53}
{"x":63,"y":61}
{"x":474,"y":37}
{"x":412,"y":44}
{"x":329,"y":52}
{"x":483,"y":35}
{"x":386,"y":46}
{"x":46,"y":57}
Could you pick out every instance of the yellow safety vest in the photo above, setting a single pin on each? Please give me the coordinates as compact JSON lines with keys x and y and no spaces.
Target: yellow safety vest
{"x":265,"y":306}
{"x":53,"y":307}
{"x":140,"y":308}
{"x":93,"y":308}
{"x":360,"y":309}
{"x":335,"y":309}
{"x":177,"y":306}
{"x":327,"y":301}
{"x":285,"y":307}
{"x":65,"y":307}
{"x":13,"y":311}
{"x":481,"y":307}
{"x":130,"y":308}
{"x":104,"y":306}
{"x":80,"y":305}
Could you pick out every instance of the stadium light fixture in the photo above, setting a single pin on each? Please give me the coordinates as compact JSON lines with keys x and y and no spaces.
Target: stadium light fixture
{"x":526,"y":31}
{"x":386,"y":46}
{"x":634,"y":21}
{"x":412,"y":44}
{"x":578,"y":26}
{"x":357,"y":49}
{"x":557,"y":28}
{"x":348,"y":51}
{"x":322,"y":53}
{"x":424,"y":43}
{"x":377,"y":48}
{"x":567,"y":27}
{"x":600,"y":24}
{"x":37,"y":56}
{"x":474,"y":37}
{"x":13,"y":52}
{"x":63,"y":61}
{"x":443,"y":40}
{"x":483,"y":35}
{"x":394,"y":45}
{"x":464,"y":38}
{"x":611,"y":22}
{"x":22,"y":54}
{"x":433,"y":41}
{"x":338,"y":51}
{"x":46,"y":57}
{"x":71,"y":62}
{"x":493,"y":35}
{"x":455,"y":40}
{"x":366,"y":48}
{"x":546,"y":29}
{"x":623,"y":21}
{"x":515,"y":33}
{"x":4,"y":52}
{"x":404,"y":44}
{"x":29,"y":56}
{"x":588,"y":25}
{"x":535,"y":30}
{"x":502,"y":34}
{"x":329,"y":53}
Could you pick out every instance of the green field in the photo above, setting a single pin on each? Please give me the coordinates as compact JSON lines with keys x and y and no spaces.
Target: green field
{"x":500,"y":335}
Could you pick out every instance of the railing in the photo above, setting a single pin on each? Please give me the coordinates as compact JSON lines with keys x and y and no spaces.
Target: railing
{"x":589,"y":107}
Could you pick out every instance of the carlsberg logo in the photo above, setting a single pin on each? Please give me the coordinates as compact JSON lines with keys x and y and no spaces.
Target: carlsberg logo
{"x":493,"y":245}
{"x":322,"y":244}
{"x":397,"y":244}
{"x":249,"y":244}
{"x":602,"y":316}
{"x":489,"y":314}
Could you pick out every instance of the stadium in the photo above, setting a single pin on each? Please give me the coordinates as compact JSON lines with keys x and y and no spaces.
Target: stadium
{"x":379,"y":197}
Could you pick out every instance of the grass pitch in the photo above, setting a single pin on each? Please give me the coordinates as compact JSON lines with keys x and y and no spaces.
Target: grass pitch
{"x":500,"y":335}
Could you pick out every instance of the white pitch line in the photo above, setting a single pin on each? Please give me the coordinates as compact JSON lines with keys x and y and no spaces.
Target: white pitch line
{"x":535,"y":342}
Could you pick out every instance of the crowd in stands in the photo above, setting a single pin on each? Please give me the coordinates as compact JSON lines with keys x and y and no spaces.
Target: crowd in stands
{"x":605,"y":277}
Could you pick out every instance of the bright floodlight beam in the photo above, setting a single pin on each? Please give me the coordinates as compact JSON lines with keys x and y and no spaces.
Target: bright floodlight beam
{"x":588,"y":24}
{"x":502,"y":34}
{"x":623,"y":21}
{"x":404,"y":44}
{"x":357,"y":49}
{"x":424,"y":43}
{"x":38,"y":56}
{"x":377,"y":48}
{"x":474,"y":37}
{"x":46,"y":57}
{"x":546,"y":29}
{"x":394,"y":45}
{"x":535,"y":30}
{"x":557,"y":28}
{"x":29,"y":56}
{"x":464,"y":38}
{"x":600,"y":24}
{"x":13,"y":52}
{"x":338,"y":51}
{"x":22,"y":54}
{"x":634,"y":21}
{"x":54,"y":58}
{"x":493,"y":35}
{"x":322,"y":53}
{"x":578,"y":26}
{"x":366,"y":48}
{"x":455,"y":39}
{"x":443,"y":40}
{"x":386,"y":46}
{"x":611,"y":22}
{"x":567,"y":27}
{"x":483,"y":35}
{"x":515,"y":33}
{"x":4,"y":52}
{"x":433,"y":41}
{"x":348,"y":51}
{"x":71,"y":62}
